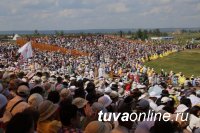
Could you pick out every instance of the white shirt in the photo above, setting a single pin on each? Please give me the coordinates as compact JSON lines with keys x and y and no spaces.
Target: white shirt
{"x":194,"y":122}
{"x":195,"y":100}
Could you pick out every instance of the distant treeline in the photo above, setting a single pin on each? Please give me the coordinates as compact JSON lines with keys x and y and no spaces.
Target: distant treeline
{"x":190,"y":31}
{"x":143,"y":34}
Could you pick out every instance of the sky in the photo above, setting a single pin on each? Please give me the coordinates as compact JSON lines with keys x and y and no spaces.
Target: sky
{"x":98,"y":14}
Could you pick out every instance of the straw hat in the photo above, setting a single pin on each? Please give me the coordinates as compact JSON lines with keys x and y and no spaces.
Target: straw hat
{"x":105,"y":100}
{"x":79,"y":102}
{"x":65,"y":93}
{"x":46,"y":109}
{"x":113,"y":94}
{"x":44,"y":78}
{"x":34,"y":100}
{"x":98,"y":107}
{"x":23,"y":90}
{"x":97,"y":127}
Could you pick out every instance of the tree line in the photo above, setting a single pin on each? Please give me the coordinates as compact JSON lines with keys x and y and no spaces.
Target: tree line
{"x":143,"y":34}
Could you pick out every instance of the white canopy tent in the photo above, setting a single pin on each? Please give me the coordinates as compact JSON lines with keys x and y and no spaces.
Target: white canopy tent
{"x":16,"y":36}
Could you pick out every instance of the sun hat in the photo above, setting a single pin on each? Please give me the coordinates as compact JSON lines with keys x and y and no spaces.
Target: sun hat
{"x":72,"y":88}
{"x":46,"y":110}
{"x":108,"y":90}
{"x":65,"y":93}
{"x":37,"y":79}
{"x":113,"y":94}
{"x":97,"y":127}
{"x":154,"y":94}
{"x":52,"y":80}
{"x":105,"y":100}
{"x":23,"y":90}
{"x":35,"y":99}
{"x":44,"y":78}
{"x":165,"y":99}
{"x":98,"y":107}
{"x":79,"y":102}
{"x":99,"y":93}
{"x":3,"y":101}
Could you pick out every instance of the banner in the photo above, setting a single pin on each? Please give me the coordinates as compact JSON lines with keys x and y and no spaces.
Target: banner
{"x":26,"y":51}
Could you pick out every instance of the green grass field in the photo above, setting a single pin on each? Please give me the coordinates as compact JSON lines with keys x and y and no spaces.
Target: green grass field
{"x":187,"y":61}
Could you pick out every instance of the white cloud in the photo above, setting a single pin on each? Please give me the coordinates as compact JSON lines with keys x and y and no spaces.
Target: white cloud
{"x":158,"y":10}
{"x":157,"y":1}
{"x":73,"y":12}
{"x":83,"y":14}
{"x":117,"y":7}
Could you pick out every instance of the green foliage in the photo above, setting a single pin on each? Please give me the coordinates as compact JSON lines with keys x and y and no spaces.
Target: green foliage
{"x":129,"y":32}
{"x":157,"y":32}
{"x":120,"y":33}
{"x":36,"y":33}
{"x":145,"y":34}
{"x":141,"y":34}
{"x":59,"y":33}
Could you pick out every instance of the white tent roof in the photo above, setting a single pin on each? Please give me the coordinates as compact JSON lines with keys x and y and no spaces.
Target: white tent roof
{"x":15,"y":37}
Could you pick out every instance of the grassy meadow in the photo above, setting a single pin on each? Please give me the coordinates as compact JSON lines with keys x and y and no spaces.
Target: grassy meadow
{"x":187,"y":61}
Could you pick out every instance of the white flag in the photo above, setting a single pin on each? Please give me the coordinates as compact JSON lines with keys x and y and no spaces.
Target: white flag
{"x":26,"y":51}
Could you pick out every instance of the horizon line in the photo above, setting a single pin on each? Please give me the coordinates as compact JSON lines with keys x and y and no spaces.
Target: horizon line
{"x":101,"y":29}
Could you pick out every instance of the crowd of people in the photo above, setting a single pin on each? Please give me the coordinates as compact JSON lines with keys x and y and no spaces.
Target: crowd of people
{"x":107,"y":45}
{"x":61,"y":93}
